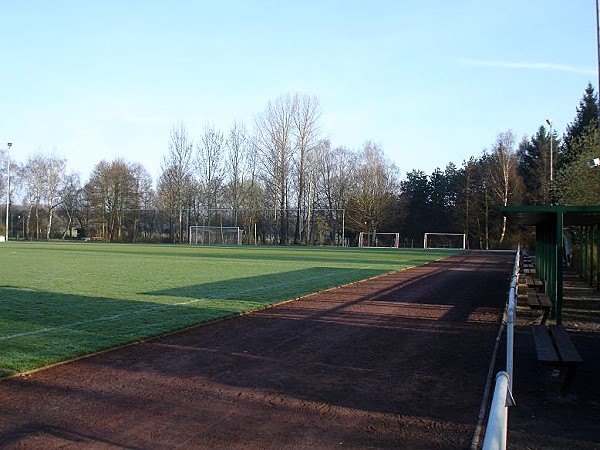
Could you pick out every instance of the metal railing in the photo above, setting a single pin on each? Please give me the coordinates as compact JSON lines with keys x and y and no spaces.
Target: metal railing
{"x":497,"y":428}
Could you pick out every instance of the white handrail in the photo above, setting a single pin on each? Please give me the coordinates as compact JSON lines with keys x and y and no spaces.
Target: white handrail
{"x":497,"y":428}
{"x":495,"y":434}
{"x":511,"y":316}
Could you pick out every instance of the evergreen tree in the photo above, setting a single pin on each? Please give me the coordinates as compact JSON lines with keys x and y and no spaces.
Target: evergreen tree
{"x":587,"y":114}
{"x":576,"y":183}
{"x":472,"y":206}
{"x":413,"y":204}
{"x":534,"y":167}
{"x":443,"y":192}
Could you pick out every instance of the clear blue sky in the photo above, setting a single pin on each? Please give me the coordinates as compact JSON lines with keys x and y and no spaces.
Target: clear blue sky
{"x":431,"y":81}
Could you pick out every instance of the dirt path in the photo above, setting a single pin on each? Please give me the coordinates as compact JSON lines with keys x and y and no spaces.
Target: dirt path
{"x":394,"y":362}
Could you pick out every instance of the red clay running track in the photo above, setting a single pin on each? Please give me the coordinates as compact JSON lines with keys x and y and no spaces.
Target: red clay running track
{"x":398,"y":361}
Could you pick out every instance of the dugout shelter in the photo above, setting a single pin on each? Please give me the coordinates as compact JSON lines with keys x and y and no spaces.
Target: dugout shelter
{"x":550,"y":222}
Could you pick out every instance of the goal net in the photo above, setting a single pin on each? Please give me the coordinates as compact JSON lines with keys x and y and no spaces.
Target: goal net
{"x":445,"y":240}
{"x":378,"y":239}
{"x":215,"y":235}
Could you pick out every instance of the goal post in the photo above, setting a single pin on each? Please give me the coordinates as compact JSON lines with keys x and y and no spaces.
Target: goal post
{"x":215,"y":235}
{"x":375,"y":239}
{"x":452,"y":241}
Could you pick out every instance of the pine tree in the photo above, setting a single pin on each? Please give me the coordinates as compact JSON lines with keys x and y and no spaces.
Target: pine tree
{"x":587,"y":114}
{"x":576,"y":183}
{"x":534,"y":167}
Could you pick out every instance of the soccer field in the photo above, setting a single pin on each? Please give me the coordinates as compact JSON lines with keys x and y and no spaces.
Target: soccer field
{"x":63,"y":300}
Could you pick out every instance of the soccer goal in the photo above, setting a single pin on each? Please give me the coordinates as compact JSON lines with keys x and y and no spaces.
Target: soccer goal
{"x":215,"y":235}
{"x":378,"y":239}
{"x":452,"y":241}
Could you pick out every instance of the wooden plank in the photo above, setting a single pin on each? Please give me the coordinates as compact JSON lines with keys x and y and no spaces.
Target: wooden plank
{"x":544,"y":300}
{"x":543,"y":345}
{"x":568,"y":352}
{"x":533,"y":300}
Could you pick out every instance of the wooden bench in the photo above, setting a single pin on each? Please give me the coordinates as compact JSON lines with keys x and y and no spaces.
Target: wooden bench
{"x":534,"y":283}
{"x":540,"y":301}
{"x":527,"y":260}
{"x":528,"y":270}
{"x":555,"y":348}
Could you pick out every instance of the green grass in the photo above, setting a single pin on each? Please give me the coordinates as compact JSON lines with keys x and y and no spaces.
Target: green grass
{"x":62,"y":300}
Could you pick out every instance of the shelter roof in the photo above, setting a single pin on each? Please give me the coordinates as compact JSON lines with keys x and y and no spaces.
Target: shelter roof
{"x":532,"y":215}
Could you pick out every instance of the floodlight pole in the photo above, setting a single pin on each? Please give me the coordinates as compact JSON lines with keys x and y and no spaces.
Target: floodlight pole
{"x":7,"y":189}
{"x":598,"y":48}
{"x":343,"y":227}
{"x":550,"y":122}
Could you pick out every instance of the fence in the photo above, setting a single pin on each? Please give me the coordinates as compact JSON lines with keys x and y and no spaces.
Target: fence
{"x":497,"y":428}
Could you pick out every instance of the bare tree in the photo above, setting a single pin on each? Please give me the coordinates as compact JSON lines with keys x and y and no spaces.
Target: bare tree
{"x":306,"y":131}
{"x":274,"y":127}
{"x":210,"y":164}
{"x":336,"y":178}
{"x":502,"y":171}
{"x":71,"y":205}
{"x":34,"y":184}
{"x":176,"y":177}
{"x":43,"y":177}
{"x":141,"y":199}
{"x":114,"y":193}
{"x":238,"y":148}
{"x":171,"y":195}
{"x":55,"y":178}
{"x":372,"y":200}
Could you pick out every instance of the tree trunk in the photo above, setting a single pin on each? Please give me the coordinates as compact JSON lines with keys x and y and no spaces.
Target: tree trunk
{"x":503,"y":230}
{"x":50,"y":216}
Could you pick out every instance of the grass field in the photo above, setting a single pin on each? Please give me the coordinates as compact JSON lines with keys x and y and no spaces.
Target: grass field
{"x":62,"y":300}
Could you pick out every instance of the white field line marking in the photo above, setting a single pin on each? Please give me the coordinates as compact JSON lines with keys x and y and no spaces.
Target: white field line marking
{"x":71,"y":325}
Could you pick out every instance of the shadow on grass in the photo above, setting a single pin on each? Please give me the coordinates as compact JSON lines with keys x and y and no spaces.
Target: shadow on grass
{"x":272,"y":287}
{"x":38,"y":328}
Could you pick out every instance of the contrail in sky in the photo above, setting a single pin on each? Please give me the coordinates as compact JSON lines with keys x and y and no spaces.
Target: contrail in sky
{"x":527,"y":65}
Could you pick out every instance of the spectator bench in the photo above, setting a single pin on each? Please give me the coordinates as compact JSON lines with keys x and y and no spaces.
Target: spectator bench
{"x":554,"y":348}
{"x":530,"y":290}
{"x":540,"y":301}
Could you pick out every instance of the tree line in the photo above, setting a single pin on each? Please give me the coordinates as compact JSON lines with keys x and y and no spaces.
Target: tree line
{"x":283,"y":183}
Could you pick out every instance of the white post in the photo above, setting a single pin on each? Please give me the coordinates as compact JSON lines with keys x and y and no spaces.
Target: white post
{"x":7,"y":189}
{"x":343,"y":227}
